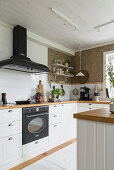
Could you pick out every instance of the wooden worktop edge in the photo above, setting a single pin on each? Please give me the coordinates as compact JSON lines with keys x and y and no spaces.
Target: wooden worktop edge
{"x":2,"y":107}
{"x":107,"y":117}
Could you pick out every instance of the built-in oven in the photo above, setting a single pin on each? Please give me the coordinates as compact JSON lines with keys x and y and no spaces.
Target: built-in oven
{"x":35,"y":123}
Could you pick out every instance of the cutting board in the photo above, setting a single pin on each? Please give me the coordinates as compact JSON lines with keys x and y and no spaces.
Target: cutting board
{"x":41,"y":90}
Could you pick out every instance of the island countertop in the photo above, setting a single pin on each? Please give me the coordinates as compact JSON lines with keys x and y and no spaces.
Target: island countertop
{"x":100,"y":115}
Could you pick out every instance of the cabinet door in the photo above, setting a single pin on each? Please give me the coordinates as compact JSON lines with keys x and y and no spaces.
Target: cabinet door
{"x":55,"y":134}
{"x":69,"y":123}
{"x":110,"y":146}
{"x":11,"y":148}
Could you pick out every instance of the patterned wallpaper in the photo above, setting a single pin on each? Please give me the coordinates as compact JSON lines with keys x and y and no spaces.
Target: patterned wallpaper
{"x":54,"y":55}
{"x":92,"y":61}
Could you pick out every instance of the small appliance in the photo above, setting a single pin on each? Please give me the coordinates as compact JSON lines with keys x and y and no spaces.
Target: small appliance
{"x":85,"y":93}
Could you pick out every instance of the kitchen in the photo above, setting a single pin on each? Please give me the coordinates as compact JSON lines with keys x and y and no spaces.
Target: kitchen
{"x":51,"y":80}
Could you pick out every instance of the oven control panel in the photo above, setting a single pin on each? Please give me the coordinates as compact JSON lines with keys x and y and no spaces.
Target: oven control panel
{"x":39,"y":109}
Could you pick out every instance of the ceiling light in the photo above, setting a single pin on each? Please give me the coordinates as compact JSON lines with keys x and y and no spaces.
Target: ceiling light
{"x":67,"y":20}
{"x":80,"y":74}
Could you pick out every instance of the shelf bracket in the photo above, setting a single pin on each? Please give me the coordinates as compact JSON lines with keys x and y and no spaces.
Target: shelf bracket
{"x":65,"y":80}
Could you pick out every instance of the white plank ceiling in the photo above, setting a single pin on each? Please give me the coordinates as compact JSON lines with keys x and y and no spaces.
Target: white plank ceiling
{"x":36,"y":16}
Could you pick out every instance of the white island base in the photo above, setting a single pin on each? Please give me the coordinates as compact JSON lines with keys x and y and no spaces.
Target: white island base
{"x":95,"y":145}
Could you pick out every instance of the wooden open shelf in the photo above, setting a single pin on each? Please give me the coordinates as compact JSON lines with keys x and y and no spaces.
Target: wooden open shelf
{"x":62,"y":66}
{"x":65,"y":75}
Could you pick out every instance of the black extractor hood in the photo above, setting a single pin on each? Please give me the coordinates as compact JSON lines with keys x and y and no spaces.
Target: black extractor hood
{"x":19,"y":61}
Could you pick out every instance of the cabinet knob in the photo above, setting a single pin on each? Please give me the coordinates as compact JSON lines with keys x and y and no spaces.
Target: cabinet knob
{"x":55,"y":115}
{"x":10,"y":111}
{"x":62,"y":104}
{"x":36,"y":142}
{"x":55,"y":125}
{"x":11,"y":124}
{"x":55,"y":106}
{"x":10,"y":138}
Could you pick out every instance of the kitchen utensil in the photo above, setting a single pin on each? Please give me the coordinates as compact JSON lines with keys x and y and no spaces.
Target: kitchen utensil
{"x":41,"y":90}
{"x":23,"y":102}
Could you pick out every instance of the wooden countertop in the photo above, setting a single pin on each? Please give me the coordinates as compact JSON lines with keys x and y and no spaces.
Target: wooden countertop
{"x":100,"y":115}
{"x":12,"y":106}
{"x":91,"y":101}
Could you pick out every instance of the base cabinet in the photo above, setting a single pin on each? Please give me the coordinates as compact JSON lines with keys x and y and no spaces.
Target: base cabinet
{"x":62,"y":124}
{"x":69,"y":123}
{"x":56,"y":134}
{"x":95,"y":145}
{"x":10,"y":149}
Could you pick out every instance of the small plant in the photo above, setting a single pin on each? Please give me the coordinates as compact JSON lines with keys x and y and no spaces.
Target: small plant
{"x":58,"y":92}
{"x":110,"y":73}
{"x":73,"y":72}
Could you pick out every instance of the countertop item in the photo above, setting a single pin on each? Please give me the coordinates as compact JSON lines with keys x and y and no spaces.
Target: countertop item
{"x":41,"y":90}
{"x":23,"y":102}
{"x":12,"y":106}
{"x":100,"y":115}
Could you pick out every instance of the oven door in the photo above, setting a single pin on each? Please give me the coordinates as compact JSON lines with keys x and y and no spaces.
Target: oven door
{"x":35,"y":126}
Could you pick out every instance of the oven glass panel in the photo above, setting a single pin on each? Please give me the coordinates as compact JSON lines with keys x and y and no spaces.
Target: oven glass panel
{"x":36,"y":125}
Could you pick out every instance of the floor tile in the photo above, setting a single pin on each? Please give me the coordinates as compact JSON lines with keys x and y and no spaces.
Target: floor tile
{"x":64,"y":159}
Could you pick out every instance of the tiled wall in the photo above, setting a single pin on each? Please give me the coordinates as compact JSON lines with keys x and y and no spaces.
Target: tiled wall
{"x":91,"y":86}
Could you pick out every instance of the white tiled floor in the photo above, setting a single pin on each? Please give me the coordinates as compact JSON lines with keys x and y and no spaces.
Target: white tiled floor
{"x":64,"y":159}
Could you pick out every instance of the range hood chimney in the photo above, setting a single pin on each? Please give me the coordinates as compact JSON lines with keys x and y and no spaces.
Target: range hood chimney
{"x":19,"y":61}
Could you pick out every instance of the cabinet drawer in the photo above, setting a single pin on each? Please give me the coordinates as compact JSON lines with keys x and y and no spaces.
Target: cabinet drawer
{"x":9,"y":115}
{"x":85,"y":104}
{"x":11,"y":128}
{"x":53,"y":109}
{"x":35,"y":146}
{"x":55,"y":118}
{"x":55,"y":134}
{"x":97,"y":106}
{"x":10,"y":149}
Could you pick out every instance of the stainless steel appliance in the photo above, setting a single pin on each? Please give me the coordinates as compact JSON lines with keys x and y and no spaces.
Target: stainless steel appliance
{"x":35,"y":123}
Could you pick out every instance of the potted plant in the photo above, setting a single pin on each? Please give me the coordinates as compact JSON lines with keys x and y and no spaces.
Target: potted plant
{"x":110,"y":74}
{"x":56,"y":92}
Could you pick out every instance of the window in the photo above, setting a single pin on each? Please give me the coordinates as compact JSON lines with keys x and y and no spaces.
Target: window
{"x":108,"y":60}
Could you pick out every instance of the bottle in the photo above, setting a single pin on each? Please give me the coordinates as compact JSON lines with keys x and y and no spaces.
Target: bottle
{"x":4,"y":100}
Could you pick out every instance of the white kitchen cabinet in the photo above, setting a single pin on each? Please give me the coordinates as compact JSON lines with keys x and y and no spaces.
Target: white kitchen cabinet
{"x":35,"y":146}
{"x":56,"y":134}
{"x":55,"y":118}
{"x":83,"y":107}
{"x":95,"y":145}
{"x":69,"y":123}
{"x":56,"y":125}
{"x":10,"y":128}
{"x":10,"y":136}
{"x":10,"y":149}
{"x":62,"y":124}
{"x":9,"y":115}
{"x":110,"y":146}
{"x":55,"y":109}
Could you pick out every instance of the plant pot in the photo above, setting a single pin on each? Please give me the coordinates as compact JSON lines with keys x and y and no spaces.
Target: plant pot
{"x":53,"y":96}
{"x":112,"y":108}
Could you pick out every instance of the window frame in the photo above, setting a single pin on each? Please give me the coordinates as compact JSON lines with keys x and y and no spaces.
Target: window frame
{"x":104,"y":70}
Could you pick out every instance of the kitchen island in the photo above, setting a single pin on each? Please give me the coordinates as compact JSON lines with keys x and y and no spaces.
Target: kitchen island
{"x":95,"y":146}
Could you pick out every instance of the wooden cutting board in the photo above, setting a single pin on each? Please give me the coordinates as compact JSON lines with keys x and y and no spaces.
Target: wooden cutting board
{"x":41,"y":90}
